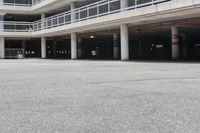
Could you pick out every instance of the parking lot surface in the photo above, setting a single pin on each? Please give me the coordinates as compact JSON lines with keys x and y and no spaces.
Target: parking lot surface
{"x":82,"y":96}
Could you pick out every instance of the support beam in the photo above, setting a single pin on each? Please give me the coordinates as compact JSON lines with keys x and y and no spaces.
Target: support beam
{"x":123,"y":4}
{"x":73,"y":15}
{"x":1,"y":19}
{"x":43,"y":16}
{"x":116,"y":52}
{"x":43,"y":47}
{"x":124,"y":42}
{"x":74,"y":52}
{"x":2,"y":48}
{"x":175,"y":43}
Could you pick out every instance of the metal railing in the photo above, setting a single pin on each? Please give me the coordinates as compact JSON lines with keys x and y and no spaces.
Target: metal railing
{"x":15,"y":53}
{"x":27,"y":3}
{"x":94,"y":10}
{"x":16,"y":26}
{"x":34,"y":2}
{"x":101,"y":8}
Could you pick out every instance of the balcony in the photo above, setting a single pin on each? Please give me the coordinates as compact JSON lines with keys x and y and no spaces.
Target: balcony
{"x":16,"y":26}
{"x":26,"y":3}
{"x":94,"y":10}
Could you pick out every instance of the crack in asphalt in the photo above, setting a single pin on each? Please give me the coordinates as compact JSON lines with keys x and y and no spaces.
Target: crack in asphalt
{"x":143,"y":80}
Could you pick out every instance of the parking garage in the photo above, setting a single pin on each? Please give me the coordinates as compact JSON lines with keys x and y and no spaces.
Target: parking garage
{"x":146,"y":42}
{"x":155,"y":41}
{"x":56,"y":48}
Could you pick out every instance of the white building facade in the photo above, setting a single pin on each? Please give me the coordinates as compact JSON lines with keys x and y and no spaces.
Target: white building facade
{"x":100,"y":29}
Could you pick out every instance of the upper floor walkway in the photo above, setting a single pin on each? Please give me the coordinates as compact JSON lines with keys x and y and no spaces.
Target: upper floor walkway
{"x":104,"y":14}
{"x":28,"y":3}
{"x":31,"y":6}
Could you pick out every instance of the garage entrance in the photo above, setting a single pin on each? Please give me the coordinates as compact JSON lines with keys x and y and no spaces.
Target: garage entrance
{"x":97,"y":46}
{"x":22,"y":48}
{"x":150,"y":44}
{"x":58,"y":48}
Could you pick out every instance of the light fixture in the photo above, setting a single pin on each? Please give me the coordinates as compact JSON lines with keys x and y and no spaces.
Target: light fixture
{"x":91,"y":37}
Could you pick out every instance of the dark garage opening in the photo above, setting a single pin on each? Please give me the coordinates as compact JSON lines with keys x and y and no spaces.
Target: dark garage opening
{"x":150,"y":45}
{"x":59,"y":49}
{"x":99,"y":47}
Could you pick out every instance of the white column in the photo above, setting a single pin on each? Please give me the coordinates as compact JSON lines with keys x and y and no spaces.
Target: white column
{"x":43,"y":47}
{"x":43,"y":16}
{"x":74,"y":46}
{"x":175,"y":43}
{"x":115,"y":46}
{"x":2,"y":48}
{"x":73,"y":16}
{"x":123,"y":4}
{"x":1,"y":24}
{"x":1,"y":2}
{"x":124,"y":42}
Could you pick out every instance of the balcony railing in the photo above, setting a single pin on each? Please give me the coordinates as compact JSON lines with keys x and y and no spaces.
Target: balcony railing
{"x":27,"y":3}
{"x":98,"y":9}
{"x":34,"y":2}
{"x":16,"y":26}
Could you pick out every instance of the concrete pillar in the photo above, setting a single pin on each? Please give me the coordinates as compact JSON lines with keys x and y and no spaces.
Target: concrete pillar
{"x":123,"y":4}
{"x":80,"y":51}
{"x":74,"y":54}
{"x":124,"y":34}
{"x":116,"y":46}
{"x":124,"y":42}
{"x":2,"y":48}
{"x":1,"y":2}
{"x":43,"y":16}
{"x":175,"y":43}
{"x":1,"y":19}
{"x":43,"y":47}
{"x":73,"y":15}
